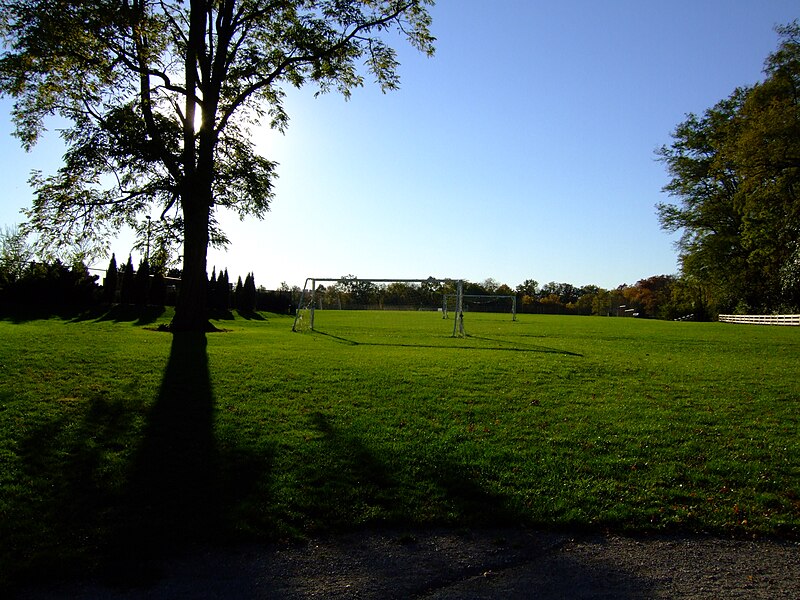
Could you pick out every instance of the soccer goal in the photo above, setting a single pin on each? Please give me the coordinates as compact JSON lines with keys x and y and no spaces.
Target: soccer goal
{"x":360,"y":293}
{"x":480,"y":303}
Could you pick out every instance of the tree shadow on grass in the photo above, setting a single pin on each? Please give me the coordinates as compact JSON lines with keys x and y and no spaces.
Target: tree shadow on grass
{"x":118,"y":313}
{"x":524,"y":347}
{"x":171,"y":497}
{"x":67,"y":469}
{"x":138,"y":315}
{"x":221,"y":314}
{"x":343,"y":478}
{"x":510,"y":346}
{"x":96,"y":489}
{"x":182,"y":487}
{"x":352,"y":482}
{"x":250,"y":315}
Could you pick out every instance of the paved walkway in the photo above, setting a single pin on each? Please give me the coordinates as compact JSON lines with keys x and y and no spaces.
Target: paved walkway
{"x":441,"y":564}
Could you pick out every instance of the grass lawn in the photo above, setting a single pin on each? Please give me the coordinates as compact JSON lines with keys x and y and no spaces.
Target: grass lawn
{"x":117,"y":440}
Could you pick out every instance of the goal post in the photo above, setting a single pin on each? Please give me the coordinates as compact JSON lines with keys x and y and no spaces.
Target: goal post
{"x":458,"y":321}
{"x":479,"y":299}
{"x":308,"y":304}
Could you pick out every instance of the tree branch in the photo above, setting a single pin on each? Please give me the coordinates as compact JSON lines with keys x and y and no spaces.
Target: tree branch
{"x":321,"y":54}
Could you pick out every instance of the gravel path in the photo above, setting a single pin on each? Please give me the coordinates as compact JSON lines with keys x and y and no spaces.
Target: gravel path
{"x":443,"y":564}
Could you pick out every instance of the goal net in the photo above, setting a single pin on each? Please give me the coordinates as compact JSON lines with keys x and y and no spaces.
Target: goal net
{"x":353,"y":293}
{"x":480,"y":303}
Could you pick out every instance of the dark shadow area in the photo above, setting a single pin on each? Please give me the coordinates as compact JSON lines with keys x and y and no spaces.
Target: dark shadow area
{"x":163,"y":530}
{"x":345,"y":476}
{"x":525,"y":348}
{"x":250,"y":315}
{"x":457,"y":487}
{"x":515,"y":564}
{"x":351,"y":479}
{"x":173,"y":496}
{"x":503,"y":563}
{"x":183,"y":489}
{"x":103,"y":493}
{"x":338,"y":338}
{"x":216,"y":314}
{"x":118,"y":313}
{"x":24,"y":314}
{"x":125,"y":313}
{"x":63,"y":504}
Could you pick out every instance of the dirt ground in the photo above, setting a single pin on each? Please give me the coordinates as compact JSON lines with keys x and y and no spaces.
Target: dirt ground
{"x":444,"y":564}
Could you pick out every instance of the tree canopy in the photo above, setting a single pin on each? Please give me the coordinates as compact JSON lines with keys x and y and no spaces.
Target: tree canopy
{"x":735,"y":171}
{"x":159,"y":96}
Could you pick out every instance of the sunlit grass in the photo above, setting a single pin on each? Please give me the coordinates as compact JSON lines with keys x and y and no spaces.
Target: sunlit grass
{"x":385,"y":418}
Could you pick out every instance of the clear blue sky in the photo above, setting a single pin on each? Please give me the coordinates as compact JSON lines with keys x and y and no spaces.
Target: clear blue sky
{"x":523,"y":149}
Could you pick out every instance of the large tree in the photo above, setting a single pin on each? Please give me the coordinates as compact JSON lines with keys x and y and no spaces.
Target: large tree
{"x":159,"y":96}
{"x":706,"y":183}
{"x":736,"y":174}
{"x":16,"y":254}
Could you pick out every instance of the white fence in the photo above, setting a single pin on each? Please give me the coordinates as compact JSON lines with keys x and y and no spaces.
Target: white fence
{"x":761,"y":319}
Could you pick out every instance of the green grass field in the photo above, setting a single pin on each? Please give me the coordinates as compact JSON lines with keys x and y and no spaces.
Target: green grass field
{"x":117,"y":440}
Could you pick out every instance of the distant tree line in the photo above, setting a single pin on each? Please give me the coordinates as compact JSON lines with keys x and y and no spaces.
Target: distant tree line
{"x":55,"y":287}
{"x":222,"y":296}
{"x":145,"y":286}
{"x":661,"y":297}
{"x":38,"y":285}
{"x":51,"y":287}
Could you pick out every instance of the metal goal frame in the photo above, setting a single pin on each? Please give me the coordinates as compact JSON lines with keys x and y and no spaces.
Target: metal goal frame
{"x":458,"y":322}
{"x":487,"y":297}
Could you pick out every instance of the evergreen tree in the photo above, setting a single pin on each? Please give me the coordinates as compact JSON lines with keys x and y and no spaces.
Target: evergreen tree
{"x":126,"y":291}
{"x":110,"y":281}
{"x":158,"y":289}
{"x":223,"y":292}
{"x":237,"y":295}
{"x":211,"y":289}
{"x":142,"y":283}
{"x":249,"y":294}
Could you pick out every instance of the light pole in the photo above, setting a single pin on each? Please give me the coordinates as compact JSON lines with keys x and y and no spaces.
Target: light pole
{"x":147,"y":250}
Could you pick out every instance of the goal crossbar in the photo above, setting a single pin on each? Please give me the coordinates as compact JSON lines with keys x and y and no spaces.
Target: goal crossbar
{"x":458,"y":323}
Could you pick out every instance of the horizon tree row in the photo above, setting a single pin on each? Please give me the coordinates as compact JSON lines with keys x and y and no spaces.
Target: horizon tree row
{"x":222,"y":296}
{"x":660,"y":296}
{"x":142,"y":287}
{"x":54,"y":287}
{"x":50,"y":287}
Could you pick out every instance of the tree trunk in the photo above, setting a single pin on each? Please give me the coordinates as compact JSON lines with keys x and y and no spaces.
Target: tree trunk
{"x":197,"y":198}
{"x":191,"y":311}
